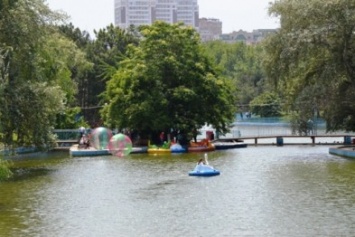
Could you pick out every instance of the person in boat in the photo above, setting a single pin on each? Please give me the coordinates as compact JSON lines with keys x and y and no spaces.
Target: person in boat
{"x":204,"y":161}
{"x":201,"y":162}
{"x":203,"y":165}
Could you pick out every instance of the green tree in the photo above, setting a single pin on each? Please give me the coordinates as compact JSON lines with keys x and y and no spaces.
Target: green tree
{"x":168,"y":82}
{"x":266,"y":105}
{"x":5,"y":171}
{"x":243,"y":64}
{"x":312,"y":56}
{"x":81,"y":38}
{"x":77,"y":114}
{"x":105,"y":52}
{"x":72,"y":68}
{"x":30,"y":90}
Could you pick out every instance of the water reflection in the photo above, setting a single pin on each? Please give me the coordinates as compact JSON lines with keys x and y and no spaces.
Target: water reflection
{"x":262,"y":191}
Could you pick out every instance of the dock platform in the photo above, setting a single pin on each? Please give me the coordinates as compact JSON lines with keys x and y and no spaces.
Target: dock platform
{"x":75,"y":151}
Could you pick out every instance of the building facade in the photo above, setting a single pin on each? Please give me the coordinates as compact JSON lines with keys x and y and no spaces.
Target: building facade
{"x":210,"y":29}
{"x":145,"y":12}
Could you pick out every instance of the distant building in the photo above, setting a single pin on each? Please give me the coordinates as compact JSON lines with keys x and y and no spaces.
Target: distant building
{"x":254,"y":37}
{"x":210,"y":29}
{"x":146,"y":12}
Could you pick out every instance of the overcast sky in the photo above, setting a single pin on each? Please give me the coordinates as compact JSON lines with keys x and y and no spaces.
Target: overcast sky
{"x":235,"y":15}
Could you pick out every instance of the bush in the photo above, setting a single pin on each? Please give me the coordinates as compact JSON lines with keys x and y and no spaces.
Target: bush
{"x":5,"y":171}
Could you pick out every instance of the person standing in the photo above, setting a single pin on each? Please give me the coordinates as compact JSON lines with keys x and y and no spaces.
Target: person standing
{"x":81,"y":133}
{"x":162,"y":136}
{"x":194,"y":134}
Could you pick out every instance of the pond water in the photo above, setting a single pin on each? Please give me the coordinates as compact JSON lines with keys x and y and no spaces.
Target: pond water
{"x":262,"y":191}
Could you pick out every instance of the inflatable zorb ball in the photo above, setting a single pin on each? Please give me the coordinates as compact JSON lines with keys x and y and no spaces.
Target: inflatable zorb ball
{"x":100,"y":138}
{"x":120,"y":145}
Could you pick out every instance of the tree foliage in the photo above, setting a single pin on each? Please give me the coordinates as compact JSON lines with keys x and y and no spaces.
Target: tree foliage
{"x":313,"y":56}
{"x":105,"y":52}
{"x":5,"y":171}
{"x":168,"y":82}
{"x":242,"y":64}
{"x":266,"y":105}
{"x":73,"y":67}
{"x":34,"y":85}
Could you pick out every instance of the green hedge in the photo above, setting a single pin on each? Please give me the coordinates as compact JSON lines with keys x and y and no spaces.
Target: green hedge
{"x":5,"y":172}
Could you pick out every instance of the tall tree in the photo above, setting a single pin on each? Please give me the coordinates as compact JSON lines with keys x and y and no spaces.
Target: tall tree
{"x":312,"y":58}
{"x":168,"y":82}
{"x":105,"y":52}
{"x":81,"y":38}
{"x":79,"y":74}
{"x":72,"y":69}
{"x":30,"y":90}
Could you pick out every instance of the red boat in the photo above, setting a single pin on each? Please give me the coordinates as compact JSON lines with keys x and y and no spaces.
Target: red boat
{"x":202,"y":146}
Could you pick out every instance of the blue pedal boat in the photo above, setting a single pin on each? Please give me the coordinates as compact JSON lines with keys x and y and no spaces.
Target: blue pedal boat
{"x":204,"y":170}
{"x":177,"y":148}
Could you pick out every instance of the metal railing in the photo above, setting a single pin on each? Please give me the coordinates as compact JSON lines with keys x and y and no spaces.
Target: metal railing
{"x":247,"y":127}
{"x":261,"y":127}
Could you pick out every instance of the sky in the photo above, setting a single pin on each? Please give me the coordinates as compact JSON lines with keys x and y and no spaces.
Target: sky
{"x":235,"y":15}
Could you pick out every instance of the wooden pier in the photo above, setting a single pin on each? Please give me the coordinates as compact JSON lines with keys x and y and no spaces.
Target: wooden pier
{"x":281,"y":140}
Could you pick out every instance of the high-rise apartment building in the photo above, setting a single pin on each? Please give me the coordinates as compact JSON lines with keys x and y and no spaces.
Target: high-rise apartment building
{"x":145,"y":12}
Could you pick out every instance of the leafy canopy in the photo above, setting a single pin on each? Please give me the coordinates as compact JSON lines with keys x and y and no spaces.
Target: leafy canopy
{"x":312,"y":58}
{"x":242,"y":64}
{"x":168,"y":82}
{"x":266,"y":105}
{"x":34,"y":81}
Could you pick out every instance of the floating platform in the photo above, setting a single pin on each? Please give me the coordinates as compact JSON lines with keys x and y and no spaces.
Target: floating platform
{"x":344,"y":151}
{"x":224,"y":145}
{"x":75,"y":151}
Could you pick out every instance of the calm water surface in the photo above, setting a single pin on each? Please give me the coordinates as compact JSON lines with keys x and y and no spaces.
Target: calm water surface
{"x":262,"y":191}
